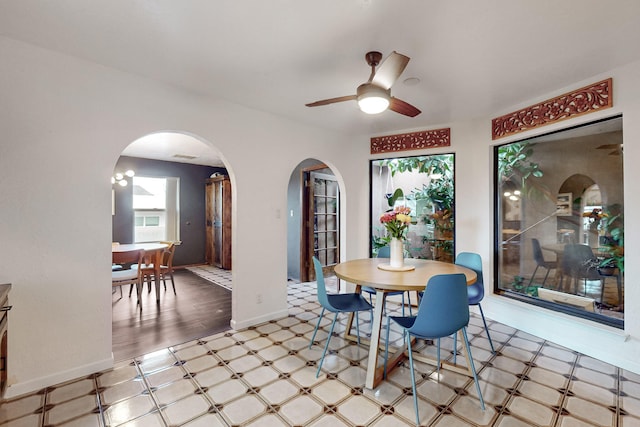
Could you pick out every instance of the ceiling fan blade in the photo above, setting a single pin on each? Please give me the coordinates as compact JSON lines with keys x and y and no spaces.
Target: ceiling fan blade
{"x":389,"y":70}
{"x":332,"y":101}
{"x":404,"y":108}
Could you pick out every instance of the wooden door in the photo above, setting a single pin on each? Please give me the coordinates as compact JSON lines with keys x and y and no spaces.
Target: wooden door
{"x":218,"y":222}
{"x":320,"y":236}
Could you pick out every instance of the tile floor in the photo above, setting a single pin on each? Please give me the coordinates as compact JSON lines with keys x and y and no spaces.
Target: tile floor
{"x":265,"y":376}
{"x":213,"y":274}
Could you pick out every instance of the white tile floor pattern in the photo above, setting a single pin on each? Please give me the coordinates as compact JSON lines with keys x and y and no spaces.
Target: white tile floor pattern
{"x":213,"y":274}
{"x":265,"y":376}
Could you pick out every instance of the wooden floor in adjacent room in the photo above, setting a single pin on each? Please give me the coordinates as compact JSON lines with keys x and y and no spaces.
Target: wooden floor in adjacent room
{"x":199,"y":309}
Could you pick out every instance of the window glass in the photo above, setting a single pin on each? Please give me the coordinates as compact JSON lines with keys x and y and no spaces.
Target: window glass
{"x":155,"y":204}
{"x":560,"y":221}
{"x":424,"y":184}
{"x":149,"y":193}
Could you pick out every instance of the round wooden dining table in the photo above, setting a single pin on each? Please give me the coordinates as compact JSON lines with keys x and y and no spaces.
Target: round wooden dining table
{"x":152,"y":252}
{"x":365,"y":272}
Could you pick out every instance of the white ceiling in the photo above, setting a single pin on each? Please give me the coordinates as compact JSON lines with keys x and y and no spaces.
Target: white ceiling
{"x":473,"y":57}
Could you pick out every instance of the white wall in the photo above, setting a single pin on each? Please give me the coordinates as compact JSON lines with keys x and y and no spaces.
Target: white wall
{"x":63,"y":125}
{"x":471,"y":141}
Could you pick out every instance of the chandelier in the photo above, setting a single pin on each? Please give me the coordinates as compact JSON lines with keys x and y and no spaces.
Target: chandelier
{"x":121,"y":178}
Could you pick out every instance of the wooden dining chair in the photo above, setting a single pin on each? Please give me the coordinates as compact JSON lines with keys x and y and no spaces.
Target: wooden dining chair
{"x":166,"y":268}
{"x":131,"y":273}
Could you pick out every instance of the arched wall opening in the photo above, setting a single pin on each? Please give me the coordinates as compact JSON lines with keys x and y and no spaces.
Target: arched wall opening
{"x":187,"y":201}
{"x":314,"y":219}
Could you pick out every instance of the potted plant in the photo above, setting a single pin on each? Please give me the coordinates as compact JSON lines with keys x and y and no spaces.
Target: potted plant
{"x":613,"y":244}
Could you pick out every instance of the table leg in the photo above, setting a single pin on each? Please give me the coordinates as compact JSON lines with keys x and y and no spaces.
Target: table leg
{"x":373,"y":377}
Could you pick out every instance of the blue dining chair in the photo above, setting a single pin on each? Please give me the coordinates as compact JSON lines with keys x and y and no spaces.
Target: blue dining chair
{"x":336,"y":303}
{"x":475,"y":291}
{"x":385,"y":252}
{"x":443,"y":311}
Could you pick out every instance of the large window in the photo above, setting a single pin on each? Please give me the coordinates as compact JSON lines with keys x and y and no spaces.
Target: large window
{"x":560,"y":221}
{"x":425,"y":184}
{"x":155,"y":205}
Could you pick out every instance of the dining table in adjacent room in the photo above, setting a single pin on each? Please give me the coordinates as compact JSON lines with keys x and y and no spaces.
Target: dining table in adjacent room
{"x":413,"y":278}
{"x":152,"y":253}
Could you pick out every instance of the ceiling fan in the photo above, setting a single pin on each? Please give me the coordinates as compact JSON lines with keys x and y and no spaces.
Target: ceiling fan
{"x":374,"y":96}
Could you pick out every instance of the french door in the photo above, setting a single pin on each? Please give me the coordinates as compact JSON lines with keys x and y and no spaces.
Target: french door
{"x":320,"y":236}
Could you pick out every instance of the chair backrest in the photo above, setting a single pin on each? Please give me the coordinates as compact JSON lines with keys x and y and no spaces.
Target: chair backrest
{"x":444,"y":308}
{"x":322,"y":288}
{"x":537,"y":252}
{"x":473,"y":261}
{"x":384,"y":252}
{"x":575,"y":259}
{"x":127,"y":257}
{"x":167,"y":256}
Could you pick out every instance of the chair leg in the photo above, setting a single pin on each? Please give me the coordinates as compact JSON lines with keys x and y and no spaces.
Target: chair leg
{"x":357,"y":326}
{"x":403,"y":304}
{"x":326,"y":346}
{"x":486,"y":329}
{"x":371,"y":311}
{"x":438,"y":357}
{"x":386,"y":349}
{"x":315,"y":331}
{"x":534,"y":274}
{"x":409,"y":299}
{"x":173,"y":284}
{"x":139,"y":291}
{"x":413,"y":376}
{"x":455,"y":347}
{"x":473,"y":368}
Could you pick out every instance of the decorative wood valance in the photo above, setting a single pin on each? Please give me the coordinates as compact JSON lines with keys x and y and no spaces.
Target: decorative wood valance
{"x":411,"y":141}
{"x":572,"y":104}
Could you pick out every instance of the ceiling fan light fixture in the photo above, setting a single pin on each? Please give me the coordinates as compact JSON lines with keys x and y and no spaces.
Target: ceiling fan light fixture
{"x":372,"y":99}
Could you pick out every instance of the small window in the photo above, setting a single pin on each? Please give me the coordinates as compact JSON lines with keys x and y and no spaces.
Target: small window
{"x":155,"y":205}
{"x":152,"y":221}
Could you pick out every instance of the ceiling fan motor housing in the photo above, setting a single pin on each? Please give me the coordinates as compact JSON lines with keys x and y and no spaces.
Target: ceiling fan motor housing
{"x":373,"y":99}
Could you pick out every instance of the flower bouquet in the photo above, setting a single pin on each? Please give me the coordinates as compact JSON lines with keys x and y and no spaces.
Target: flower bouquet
{"x":396,"y":221}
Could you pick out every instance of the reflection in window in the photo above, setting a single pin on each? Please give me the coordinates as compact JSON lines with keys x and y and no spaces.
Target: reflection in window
{"x":559,"y":215}
{"x":427,"y":185}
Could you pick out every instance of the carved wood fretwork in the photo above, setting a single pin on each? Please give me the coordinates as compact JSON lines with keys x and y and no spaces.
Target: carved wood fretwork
{"x":581,"y":101}
{"x":411,"y":141}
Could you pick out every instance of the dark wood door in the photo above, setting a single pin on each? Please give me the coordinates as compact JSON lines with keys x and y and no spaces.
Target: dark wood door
{"x":218,"y":222}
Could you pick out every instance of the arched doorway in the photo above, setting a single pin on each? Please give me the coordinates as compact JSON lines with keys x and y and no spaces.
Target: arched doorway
{"x":201,"y":305}
{"x":313,"y":227}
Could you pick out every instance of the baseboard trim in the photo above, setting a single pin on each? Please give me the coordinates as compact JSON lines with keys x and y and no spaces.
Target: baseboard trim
{"x":237,"y":325}
{"x":36,"y":384}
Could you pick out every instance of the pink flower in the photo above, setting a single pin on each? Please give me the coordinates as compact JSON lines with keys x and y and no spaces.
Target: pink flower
{"x":396,"y":221}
